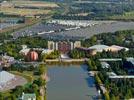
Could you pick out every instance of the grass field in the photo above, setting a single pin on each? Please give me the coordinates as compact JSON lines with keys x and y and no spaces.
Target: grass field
{"x":127,"y":15}
{"x":27,"y":75}
{"x":24,"y":12}
{"x":34,"y":4}
{"x":30,"y":8}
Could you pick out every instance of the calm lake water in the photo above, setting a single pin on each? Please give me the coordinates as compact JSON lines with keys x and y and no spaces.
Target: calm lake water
{"x":70,"y":83}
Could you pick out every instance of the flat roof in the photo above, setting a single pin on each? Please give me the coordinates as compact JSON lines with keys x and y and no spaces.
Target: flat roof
{"x":99,"y":47}
{"x":110,"y":59}
{"x":28,"y":95}
{"x":121,"y":76}
{"x":5,"y":77}
{"x":130,"y":59}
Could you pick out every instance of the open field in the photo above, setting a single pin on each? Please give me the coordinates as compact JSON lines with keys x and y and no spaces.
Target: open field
{"x":27,"y":8}
{"x":34,"y":4}
{"x":17,"y":27}
{"x":25,"y":3}
{"x":26,"y":75}
{"x":23,"y":12}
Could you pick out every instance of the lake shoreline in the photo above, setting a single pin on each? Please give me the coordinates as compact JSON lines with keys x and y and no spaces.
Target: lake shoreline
{"x":65,"y":61}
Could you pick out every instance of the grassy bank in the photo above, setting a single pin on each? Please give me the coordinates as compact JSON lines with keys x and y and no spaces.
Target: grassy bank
{"x":64,"y":63}
{"x":27,"y":75}
{"x":125,"y":16}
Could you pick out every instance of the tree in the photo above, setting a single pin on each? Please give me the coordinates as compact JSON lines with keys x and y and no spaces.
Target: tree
{"x":106,"y":96}
{"x":41,"y":69}
{"x":53,"y":55}
{"x":17,"y":91}
{"x":113,"y":97}
{"x":98,"y":80}
{"x":128,"y":94}
{"x":36,"y":89}
{"x":91,"y":65}
{"x":40,"y":82}
{"x":1,"y":96}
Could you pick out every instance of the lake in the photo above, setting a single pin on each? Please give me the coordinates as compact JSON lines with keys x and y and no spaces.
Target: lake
{"x":70,"y":83}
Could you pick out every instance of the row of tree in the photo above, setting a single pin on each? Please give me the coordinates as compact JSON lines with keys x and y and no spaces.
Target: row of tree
{"x":118,"y":89}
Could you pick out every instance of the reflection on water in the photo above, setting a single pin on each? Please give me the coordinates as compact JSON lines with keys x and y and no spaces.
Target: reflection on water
{"x":70,"y":83}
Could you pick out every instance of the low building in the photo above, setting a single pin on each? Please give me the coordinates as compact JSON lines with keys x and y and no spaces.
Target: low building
{"x":115,"y":48}
{"x":105,"y":65}
{"x":99,"y":48}
{"x":28,"y":96}
{"x":130,"y":60}
{"x":129,"y":65}
{"x":113,"y":75}
{"x":122,"y":77}
{"x":24,"y":46}
{"x":24,"y":51}
{"x":46,"y":51}
{"x":6,"y":61}
{"x":110,"y":59}
{"x":32,"y":56}
{"x":8,"y":58}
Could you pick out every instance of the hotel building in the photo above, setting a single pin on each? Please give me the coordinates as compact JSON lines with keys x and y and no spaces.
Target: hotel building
{"x":63,"y":46}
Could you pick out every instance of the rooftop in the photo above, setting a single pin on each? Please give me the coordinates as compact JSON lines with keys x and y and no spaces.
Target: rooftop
{"x":113,"y":75}
{"x":118,"y":47}
{"x":45,"y":51}
{"x":123,"y":76}
{"x":99,"y":48}
{"x":29,"y":96}
{"x":130,"y":59}
{"x":5,"y":77}
{"x":105,"y":65}
{"x":25,"y":51}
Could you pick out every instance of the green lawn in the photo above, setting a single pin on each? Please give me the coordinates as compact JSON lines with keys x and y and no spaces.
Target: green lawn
{"x":26,"y":74}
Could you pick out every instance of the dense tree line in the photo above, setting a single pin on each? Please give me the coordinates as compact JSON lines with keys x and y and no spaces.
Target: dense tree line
{"x":12,"y":48}
{"x":96,"y":10}
{"x":53,"y":55}
{"x":122,"y":38}
{"x":117,"y":89}
{"x":76,"y":54}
